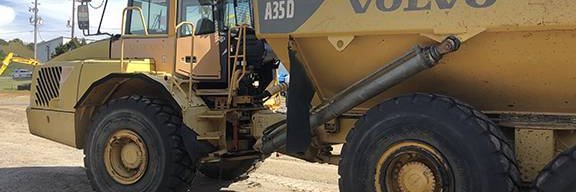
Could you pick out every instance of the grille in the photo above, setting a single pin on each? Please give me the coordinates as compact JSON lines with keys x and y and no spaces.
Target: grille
{"x":47,"y":85}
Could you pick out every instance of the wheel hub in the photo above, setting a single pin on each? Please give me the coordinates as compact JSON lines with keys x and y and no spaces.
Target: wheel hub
{"x":131,"y":156}
{"x":125,"y":157}
{"x":416,"y":177}
{"x":411,"y":166}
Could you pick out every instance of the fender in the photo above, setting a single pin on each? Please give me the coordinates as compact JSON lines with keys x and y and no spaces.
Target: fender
{"x":124,"y":84}
{"x":112,"y":83}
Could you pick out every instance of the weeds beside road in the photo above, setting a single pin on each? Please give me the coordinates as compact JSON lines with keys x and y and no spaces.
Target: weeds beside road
{"x":7,"y":84}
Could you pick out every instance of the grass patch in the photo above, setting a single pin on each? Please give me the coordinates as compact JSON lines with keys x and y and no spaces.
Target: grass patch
{"x":7,"y":84}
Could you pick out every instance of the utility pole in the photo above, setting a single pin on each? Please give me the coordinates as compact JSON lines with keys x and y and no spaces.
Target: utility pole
{"x":35,"y":21}
{"x":35,"y":29}
{"x":73,"y":18}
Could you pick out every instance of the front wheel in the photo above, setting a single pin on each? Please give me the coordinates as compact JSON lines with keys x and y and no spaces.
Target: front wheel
{"x":134,"y":145}
{"x":427,"y":143}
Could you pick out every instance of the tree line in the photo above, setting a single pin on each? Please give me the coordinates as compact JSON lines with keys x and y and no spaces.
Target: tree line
{"x":61,"y":49}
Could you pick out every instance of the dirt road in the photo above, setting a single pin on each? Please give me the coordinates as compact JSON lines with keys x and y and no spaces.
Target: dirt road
{"x":32,"y":164}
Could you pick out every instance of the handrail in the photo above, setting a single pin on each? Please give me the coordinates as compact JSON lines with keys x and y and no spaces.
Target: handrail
{"x":123,"y":32}
{"x":192,"y":32}
{"x":243,"y":29}
{"x":236,"y":77}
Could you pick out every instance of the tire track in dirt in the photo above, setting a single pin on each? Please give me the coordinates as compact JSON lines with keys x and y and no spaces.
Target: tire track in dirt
{"x":296,"y":184}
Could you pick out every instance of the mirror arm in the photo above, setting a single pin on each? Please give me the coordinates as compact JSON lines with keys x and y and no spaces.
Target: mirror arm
{"x":102,"y":19}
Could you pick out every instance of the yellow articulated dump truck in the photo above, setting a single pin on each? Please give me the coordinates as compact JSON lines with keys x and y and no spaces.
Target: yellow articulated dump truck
{"x":424,"y":95}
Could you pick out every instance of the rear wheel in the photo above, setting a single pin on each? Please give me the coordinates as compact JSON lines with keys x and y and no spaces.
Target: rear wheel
{"x":558,"y":176}
{"x":427,"y":143}
{"x":229,"y":170}
{"x":134,"y":145}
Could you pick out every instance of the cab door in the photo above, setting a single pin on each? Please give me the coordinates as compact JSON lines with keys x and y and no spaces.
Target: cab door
{"x":157,"y":45}
{"x":204,"y":65}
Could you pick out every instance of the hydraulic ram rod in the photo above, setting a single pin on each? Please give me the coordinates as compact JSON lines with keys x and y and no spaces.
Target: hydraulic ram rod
{"x":413,"y":62}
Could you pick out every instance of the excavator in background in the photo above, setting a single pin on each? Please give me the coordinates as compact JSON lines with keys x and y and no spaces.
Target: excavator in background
{"x":11,"y":58}
{"x":182,"y":89}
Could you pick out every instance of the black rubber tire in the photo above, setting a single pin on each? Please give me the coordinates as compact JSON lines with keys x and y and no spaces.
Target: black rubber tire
{"x":476,"y":150}
{"x":229,"y":170}
{"x":558,"y":175}
{"x":169,"y":169}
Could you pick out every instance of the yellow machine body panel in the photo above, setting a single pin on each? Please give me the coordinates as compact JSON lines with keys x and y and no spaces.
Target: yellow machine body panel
{"x":58,"y":86}
{"x":516,"y":54}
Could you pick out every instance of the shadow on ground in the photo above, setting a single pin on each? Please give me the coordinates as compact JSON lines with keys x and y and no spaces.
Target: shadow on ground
{"x":73,"y":179}
{"x":36,"y":179}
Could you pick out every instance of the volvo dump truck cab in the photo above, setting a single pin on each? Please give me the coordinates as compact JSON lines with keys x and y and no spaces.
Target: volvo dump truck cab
{"x":181,"y":90}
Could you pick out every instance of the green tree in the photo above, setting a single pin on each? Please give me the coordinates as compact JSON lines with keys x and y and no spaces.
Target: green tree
{"x":2,"y":54}
{"x":71,"y":45}
{"x":19,"y":41}
{"x":30,"y":46}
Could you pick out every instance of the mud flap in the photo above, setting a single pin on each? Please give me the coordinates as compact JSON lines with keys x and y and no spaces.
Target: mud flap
{"x":300,"y":95}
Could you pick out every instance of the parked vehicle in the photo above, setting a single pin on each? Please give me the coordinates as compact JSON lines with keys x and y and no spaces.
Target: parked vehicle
{"x":21,"y":74}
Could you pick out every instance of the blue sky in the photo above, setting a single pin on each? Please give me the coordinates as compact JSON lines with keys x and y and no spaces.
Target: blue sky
{"x":14,"y":18}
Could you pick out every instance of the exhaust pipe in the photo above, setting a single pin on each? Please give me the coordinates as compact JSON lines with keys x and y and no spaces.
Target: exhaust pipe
{"x":413,"y":62}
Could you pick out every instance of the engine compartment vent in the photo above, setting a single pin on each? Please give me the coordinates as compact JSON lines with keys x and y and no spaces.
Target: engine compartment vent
{"x":47,"y":85}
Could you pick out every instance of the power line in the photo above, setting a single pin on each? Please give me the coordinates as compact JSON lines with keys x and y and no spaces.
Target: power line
{"x":40,"y":35}
{"x":31,"y":31}
{"x":18,"y":24}
{"x":96,"y":7}
{"x":16,"y":32}
{"x":55,"y":31}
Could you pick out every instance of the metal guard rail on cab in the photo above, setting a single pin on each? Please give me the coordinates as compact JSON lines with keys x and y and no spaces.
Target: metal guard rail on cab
{"x":123,"y":32}
{"x":177,"y":80}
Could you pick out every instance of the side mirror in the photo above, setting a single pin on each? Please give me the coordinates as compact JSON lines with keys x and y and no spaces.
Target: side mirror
{"x":83,"y":17}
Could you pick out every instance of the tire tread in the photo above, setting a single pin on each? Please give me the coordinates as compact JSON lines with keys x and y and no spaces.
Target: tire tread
{"x":565,"y":158}
{"x":491,"y":130}
{"x":183,"y":166}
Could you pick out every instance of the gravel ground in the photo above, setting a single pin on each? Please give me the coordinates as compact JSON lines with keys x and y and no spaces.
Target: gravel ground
{"x":32,"y":164}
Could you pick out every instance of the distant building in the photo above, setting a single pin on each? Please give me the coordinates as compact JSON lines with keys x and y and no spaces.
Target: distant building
{"x":47,"y":48}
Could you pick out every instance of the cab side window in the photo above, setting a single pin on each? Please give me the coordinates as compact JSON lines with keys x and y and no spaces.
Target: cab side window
{"x":243,"y":12}
{"x":155,"y":16}
{"x":236,"y":13}
{"x":200,"y":13}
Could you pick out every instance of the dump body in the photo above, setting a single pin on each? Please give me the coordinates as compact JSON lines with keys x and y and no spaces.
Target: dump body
{"x":515,"y":56}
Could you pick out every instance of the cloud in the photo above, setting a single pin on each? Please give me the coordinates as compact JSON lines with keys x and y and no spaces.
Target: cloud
{"x":8,"y":15}
{"x":14,"y":19}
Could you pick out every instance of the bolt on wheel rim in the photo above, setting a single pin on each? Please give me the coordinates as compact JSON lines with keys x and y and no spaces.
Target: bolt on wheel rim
{"x":125,"y":157}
